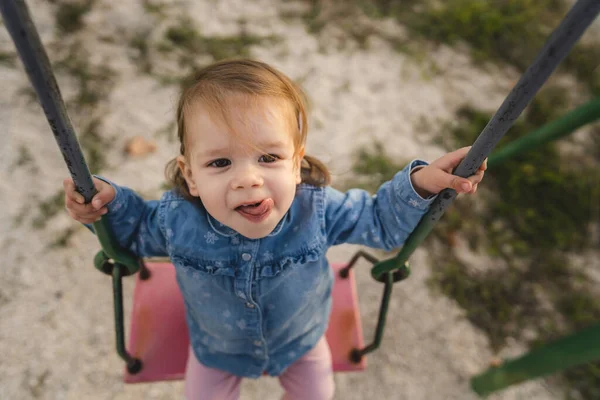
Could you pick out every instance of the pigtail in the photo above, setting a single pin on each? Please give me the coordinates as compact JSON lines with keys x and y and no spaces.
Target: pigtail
{"x":314,"y":172}
{"x":176,"y":180}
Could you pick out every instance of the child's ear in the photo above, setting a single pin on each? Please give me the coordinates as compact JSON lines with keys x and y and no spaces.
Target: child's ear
{"x":186,"y":172}
{"x":299,"y":158}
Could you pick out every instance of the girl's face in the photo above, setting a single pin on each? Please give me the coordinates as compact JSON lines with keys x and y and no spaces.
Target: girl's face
{"x":244,"y":172}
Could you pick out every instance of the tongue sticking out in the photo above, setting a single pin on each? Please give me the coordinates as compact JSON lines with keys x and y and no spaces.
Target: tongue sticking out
{"x":259,"y":209}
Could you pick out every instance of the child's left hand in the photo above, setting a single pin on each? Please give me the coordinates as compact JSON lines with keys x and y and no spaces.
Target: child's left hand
{"x":437,"y":176}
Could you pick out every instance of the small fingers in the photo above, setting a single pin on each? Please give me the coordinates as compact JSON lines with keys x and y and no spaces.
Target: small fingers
{"x":81,"y":210}
{"x":476,"y":177}
{"x":450,"y":160}
{"x":483,"y":165}
{"x":87,"y":217}
{"x":82,"y":219}
{"x":92,"y":211}
{"x":70,"y":191}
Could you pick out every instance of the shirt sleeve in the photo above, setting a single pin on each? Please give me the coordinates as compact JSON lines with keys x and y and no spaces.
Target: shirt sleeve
{"x":135,"y":223}
{"x":383,"y":220}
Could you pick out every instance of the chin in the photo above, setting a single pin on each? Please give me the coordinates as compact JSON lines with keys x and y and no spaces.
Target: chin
{"x":255,"y":234}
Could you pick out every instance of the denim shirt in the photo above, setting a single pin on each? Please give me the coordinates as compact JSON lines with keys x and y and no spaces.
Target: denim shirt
{"x":255,"y":306}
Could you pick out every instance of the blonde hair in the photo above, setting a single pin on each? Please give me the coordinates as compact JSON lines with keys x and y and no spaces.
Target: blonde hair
{"x":214,"y":84}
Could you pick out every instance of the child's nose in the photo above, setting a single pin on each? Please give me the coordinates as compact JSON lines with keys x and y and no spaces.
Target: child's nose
{"x":245,"y":178}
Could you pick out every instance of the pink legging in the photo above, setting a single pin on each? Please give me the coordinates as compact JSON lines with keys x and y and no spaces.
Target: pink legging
{"x":311,"y":377}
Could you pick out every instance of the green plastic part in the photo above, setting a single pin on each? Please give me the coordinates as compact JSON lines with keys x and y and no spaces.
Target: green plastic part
{"x":578,"y":348}
{"x":563,"y":126}
{"x":112,"y":251}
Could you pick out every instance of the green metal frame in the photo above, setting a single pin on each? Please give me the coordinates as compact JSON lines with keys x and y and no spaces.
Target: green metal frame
{"x":561,"y":127}
{"x":570,"y":351}
{"x":388,"y":280}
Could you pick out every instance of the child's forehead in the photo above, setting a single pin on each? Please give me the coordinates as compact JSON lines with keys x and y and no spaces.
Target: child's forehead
{"x":243,"y":109}
{"x":242,"y":122}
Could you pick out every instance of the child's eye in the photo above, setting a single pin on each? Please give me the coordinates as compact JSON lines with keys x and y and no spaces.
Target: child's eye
{"x":268,"y":158}
{"x":219,"y":163}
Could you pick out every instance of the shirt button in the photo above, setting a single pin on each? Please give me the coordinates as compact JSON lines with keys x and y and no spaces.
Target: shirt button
{"x":246,"y":257}
{"x":249,"y":305}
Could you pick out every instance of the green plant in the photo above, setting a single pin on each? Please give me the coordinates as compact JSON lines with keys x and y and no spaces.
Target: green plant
{"x":507,"y":31}
{"x":94,"y":82}
{"x":374,"y":167}
{"x":536,"y":211}
{"x":48,"y":208}
{"x":7,"y":58}
{"x":94,"y":145}
{"x":186,"y":37}
{"x":69,"y":15}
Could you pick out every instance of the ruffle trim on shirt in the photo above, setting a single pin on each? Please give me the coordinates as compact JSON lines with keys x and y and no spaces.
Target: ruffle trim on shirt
{"x":274,"y":268}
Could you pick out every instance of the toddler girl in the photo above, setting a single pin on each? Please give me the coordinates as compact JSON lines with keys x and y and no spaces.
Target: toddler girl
{"x":248,"y":224}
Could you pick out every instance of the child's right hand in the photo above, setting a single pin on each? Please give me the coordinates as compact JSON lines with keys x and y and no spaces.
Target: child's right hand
{"x":91,"y":212}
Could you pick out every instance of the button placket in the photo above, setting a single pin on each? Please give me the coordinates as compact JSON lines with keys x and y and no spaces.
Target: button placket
{"x":246,"y":257}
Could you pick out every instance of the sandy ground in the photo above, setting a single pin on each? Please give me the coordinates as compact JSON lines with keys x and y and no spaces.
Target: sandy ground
{"x":56,"y":323}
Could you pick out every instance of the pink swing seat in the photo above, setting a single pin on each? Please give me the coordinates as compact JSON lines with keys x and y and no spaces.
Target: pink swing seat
{"x":159,"y":338}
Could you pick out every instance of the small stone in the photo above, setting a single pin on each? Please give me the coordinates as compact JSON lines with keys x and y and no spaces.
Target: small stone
{"x":139,"y":146}
{"x":495,"y":362}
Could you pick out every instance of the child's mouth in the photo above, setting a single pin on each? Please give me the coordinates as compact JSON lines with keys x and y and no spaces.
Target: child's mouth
{"x":256,"y":212}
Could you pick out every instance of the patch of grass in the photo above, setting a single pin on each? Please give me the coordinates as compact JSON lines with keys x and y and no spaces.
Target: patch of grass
{"x":69,"y":15}
{"x":511,"y":32}
{"x":29,"y":94}
{"x":8,"y":58}
{"x":25,"y":158}
{"x":48,"y":209}
{"x":372,"y":166}
{"x":494,"y":301}
{"x":583,"y":62}
{"x":585,"y":380}
{"x":186,"y":37}
{"x":94,"y":82}
{"x":543,"y":214}
{"x":568,"y":188}
{"x":506,"y":31}
{"x":141,"y":51}
{"x":154,"y":7}
{"x":537,"y":210}
{"x":314,"y":24}
{"x":94,"y":146}
{"x":342,"y":14}
{"x":62,"y":240}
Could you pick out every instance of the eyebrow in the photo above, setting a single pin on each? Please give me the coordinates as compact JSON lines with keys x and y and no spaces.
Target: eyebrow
{"x":213,"y":152}
{"x":224,"y":150}
{"x":272,"y":145}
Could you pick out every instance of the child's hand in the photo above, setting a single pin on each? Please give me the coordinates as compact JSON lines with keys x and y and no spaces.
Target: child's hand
{"x":91,"y":212}
{"x":437,"y":176}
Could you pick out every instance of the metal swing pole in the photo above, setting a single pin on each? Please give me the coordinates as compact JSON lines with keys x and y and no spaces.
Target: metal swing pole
{"x":111,"y":259}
